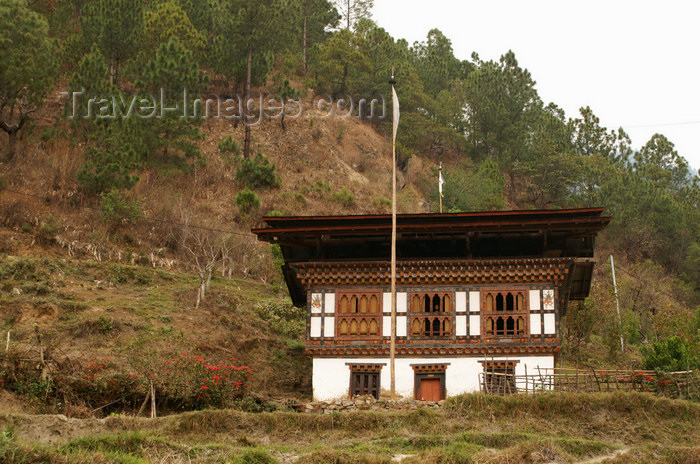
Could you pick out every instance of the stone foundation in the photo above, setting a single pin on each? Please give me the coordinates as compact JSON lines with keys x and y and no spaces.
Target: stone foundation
{"x":367,"y":403}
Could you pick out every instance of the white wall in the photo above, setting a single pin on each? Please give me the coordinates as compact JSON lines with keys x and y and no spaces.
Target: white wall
{"x":331,"y":376}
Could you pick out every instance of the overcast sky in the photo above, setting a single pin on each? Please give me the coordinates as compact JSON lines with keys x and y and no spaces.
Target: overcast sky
{"x":635,"y":63}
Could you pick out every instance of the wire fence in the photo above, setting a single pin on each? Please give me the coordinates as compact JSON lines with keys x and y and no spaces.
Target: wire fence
{"x":682,"y":384}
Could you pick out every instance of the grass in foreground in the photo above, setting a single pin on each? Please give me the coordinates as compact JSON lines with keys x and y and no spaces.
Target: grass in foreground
{"x":563,"y":428}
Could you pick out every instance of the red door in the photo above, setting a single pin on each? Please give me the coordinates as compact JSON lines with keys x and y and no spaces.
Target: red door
{"x":430,"y":390}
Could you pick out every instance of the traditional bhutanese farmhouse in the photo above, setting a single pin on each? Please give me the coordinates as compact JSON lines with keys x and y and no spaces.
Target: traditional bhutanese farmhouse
{"x":476,"y":293}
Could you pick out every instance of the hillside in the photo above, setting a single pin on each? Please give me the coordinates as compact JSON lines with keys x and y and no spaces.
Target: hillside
{"x":125,"y":244}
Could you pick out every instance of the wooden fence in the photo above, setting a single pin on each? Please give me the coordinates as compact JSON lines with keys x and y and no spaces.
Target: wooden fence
{"x":683,"y":384}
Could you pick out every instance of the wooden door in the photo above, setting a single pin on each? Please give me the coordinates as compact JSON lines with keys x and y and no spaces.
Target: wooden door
{"x":430,"y":390}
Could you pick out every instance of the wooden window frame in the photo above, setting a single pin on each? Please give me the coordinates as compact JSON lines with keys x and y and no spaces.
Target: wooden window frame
{"x":443,"y":317}
{"x":499,"y":377}
{"x":372,"y":320}
{"x":496,"y":315}
{"x":371,"y":373}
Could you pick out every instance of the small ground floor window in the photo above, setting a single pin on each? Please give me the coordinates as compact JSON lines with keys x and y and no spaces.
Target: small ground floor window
{"x":365,"y":380}
{"x":499,"y":377}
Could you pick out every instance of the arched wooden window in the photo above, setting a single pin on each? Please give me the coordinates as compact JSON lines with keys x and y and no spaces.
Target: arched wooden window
{"x":373,"y":304}
{"x":436,"y":326}
{"x":446,"y":303}
{"x":505,"y":313}
{"x":364,"y":327}
{"x":510,"y":302}
{"x":510,"y":326}
{"x":446,"y":327}
{"x":373,"y":327}
{"x":437,"y":304}
{"x":359,"y":315}
{"x":489,"y":326}
{"x":429,"y":311}
{"x":500,"y":326}
{"x":363,"y":305}
{"x":415,"y":304}
{"x":415,"y":327}
{"x":489,"y":303}
{"x":499,"y":302}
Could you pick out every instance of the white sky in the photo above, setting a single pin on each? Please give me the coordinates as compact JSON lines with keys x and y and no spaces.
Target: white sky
{"x":635,"y":63}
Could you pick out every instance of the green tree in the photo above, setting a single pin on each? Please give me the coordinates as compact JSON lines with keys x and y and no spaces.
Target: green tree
{"x":245,"y":38}
{"x":116,"y":27}
{"x":308,"y":24}
{"x":246,"y":200}
{"x":672,"y":354}
{"x":258,"y":172}
{"x":169,"y":20}
{"x":501,"y":108}
{"x":169,"y":138}
{"x":354,"y":10}
{"x":659,"y":162}
{"x":112,"y":164}
{"x":27,"y":66}
{"x":436,"y":63}
{"x":285,"y":91}
{"x":339,"y":60}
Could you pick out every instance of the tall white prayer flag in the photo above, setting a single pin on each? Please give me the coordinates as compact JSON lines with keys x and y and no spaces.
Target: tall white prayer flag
{"x":395,"y":101}
{"x":440,"y":182}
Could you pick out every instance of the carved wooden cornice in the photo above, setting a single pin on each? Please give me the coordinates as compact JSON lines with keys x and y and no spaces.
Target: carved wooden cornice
{"x":435,"y":272}
{"x":414,"y":351}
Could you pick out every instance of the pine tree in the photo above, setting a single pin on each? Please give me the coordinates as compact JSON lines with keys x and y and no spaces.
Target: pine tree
{"x":354,"y":10}
{"x":170,"y":138}
{"x":27,"y":66}
{"x":116,"y":27}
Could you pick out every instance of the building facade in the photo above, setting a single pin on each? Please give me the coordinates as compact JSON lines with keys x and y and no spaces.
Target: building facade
{"x":479,"y":296}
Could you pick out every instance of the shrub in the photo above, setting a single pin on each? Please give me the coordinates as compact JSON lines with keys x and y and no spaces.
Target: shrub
{"x":381,"y":202}
{"x":255,"y":456}
{"x":344,"y":197}
{"x":672,"y":354}
{"x":258,"y":172}
{"x":47,"y":231}
{"x":228,"y":147}
{"x":247,"y":200}
{"x":118,"y":209}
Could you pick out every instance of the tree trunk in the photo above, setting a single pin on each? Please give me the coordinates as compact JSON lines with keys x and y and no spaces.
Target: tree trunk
{"x":304,"y":45}
{"x":113,"y":68}
{"x":246,"y":141}
{"x":345,"y":76}
{"x":11,"y":142}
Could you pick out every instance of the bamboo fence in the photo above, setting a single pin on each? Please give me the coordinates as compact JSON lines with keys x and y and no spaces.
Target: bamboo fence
{"x":682,"y":384}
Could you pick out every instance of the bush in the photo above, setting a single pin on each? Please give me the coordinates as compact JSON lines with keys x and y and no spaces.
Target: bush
{"x":247,"y":200}
{"x":230,"y":145}
{"x":117,"y":209}
{"x":344,"y":197}
{"x":255,"y":456}
{"x":47,"y":231}
{"x":672,"y":354}
{"x":258,"y":172}
{"x":381,"y":203}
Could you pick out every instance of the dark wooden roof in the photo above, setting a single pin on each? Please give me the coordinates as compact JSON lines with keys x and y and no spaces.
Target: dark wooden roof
{"x":480,"y":235}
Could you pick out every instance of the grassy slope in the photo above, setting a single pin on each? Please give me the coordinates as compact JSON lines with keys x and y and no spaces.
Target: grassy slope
{"x":567,"y":428}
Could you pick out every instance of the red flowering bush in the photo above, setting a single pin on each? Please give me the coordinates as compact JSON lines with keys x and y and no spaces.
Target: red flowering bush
{"x":191,"y":382}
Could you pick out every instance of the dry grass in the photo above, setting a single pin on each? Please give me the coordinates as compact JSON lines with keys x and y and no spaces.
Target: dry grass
{"x":566,"y":428}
